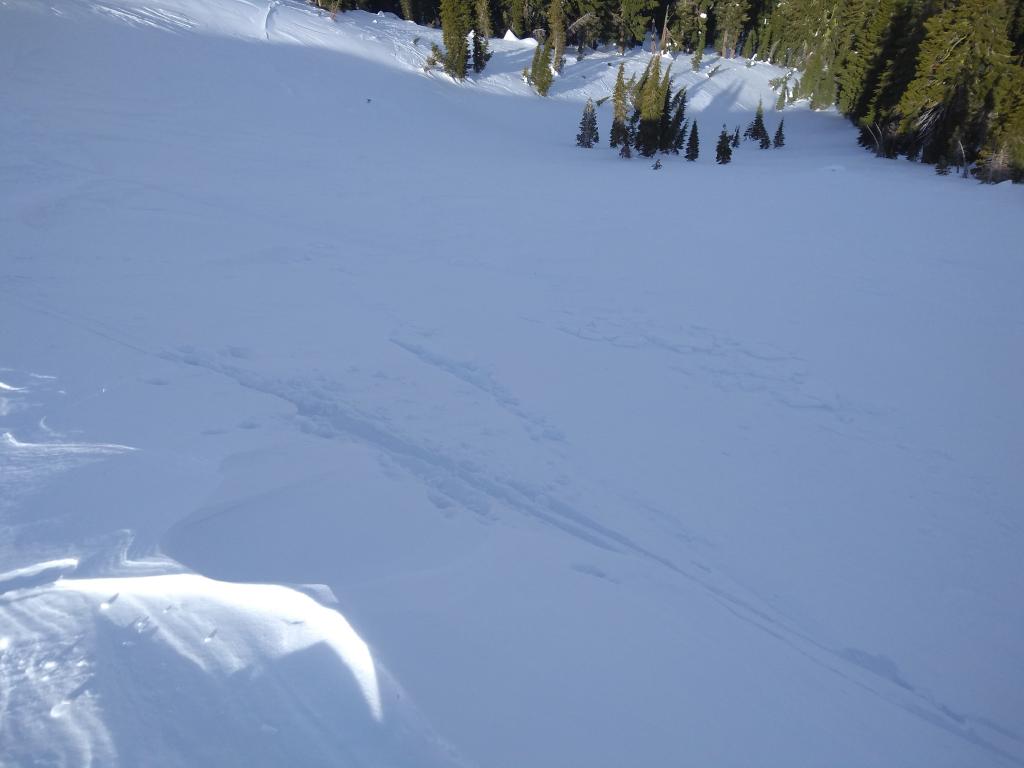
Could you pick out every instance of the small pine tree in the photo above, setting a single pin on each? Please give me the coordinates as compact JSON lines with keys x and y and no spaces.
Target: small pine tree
{"x":736,"y":137}
{"x":765,"y":142}
{"x":624,"y":151}
{"x":587,"y":137}
{"x":780,"y":136}
{"x":698,"y":49}
{"x":657,"y":164}
{"x":693,"y":143}
{"x":723,"y":150}
{"x":756,"y":130}
{"x":619,"y":133}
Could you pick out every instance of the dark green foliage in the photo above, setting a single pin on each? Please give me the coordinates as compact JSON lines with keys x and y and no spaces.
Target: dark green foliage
{"x":730,"y":18}
{"x":481,"y":31}
{"x":962,"y":57}
{"x":723,"y":150}
{"x":756,"y":130}
{"x":657,"y":165}
{"x":650,"y":104}
{"x":634,"y":18}
{"x":540,"y":75}
{"x":676,"y":130}
{"x":736,"y":137}
{"x":780,"y":136}
{"x":693,"y":144}
{"x":456,"y":21}
{"x":698,"y":52}
{"x":942,"y":166}
{"x":667,"y":132}
{"x":515,"y":17}
{"x":619,"y":133}
{"x":587,"y":137}
{"x":689,"y":27}
{"x":624,"y":151}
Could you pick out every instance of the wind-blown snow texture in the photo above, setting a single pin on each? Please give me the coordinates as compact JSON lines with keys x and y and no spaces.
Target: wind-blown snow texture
{"x":715,"y":466}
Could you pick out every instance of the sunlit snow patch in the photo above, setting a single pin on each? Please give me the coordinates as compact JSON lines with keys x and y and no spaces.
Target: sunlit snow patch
{"x":251,"y":620}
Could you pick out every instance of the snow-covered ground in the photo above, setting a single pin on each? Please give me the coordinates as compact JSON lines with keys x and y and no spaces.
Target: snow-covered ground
{"x":593,"y":466}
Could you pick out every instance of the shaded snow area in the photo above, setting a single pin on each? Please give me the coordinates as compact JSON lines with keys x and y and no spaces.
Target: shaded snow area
{"x":351,"y":416}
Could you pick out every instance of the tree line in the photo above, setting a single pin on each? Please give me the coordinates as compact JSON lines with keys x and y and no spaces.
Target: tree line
{"x":941,"y":81}
{"x":649,"y":119}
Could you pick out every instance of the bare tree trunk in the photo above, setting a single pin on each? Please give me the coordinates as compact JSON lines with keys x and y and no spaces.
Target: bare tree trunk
{"x":664,"y":31}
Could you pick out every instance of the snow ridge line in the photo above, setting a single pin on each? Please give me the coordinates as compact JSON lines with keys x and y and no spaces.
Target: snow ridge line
{"x":331,"y":420}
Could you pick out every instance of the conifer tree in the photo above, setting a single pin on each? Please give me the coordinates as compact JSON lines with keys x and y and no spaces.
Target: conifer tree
{"x":693,"y":143}
{"x":633,"y":16}
{"x":651,"y":103}
{"x":544,"y":75}
{"x":666,"y":137}
{"x":736,"y":137}
{"x":756,"y":131}
{"x":619,"y":133}
{"x":730,"y":16}
{"x":676,"y":126}
{"x":1002,"y":155}
{"x":942,"y":166}
{"x":587,"y":137}
{"x":481,"y":33}
{"x":780,"y":103}
{"x":698,"y":52}
{"x":456,"y":20}
{"x":961,"y":58}
{"x":723,"y":150}
{"x":516,"y":18}
{"x":556,"y":33}
{"x":862,"y":29}
{"x":530,"y":75}
{"x":624,"y":151}
{"x":780,"y":137}
{"x":689,"y":27}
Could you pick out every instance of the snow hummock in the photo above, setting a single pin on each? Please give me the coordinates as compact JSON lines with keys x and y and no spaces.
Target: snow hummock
{"x":591,"y":466}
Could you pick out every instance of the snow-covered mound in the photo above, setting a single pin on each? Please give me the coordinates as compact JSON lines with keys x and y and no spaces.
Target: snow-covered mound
{"x":596,"y":465}
{"x":175,"y":669}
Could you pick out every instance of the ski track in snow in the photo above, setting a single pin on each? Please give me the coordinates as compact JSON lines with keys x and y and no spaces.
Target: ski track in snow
{"x":437,"y":470}
{"x":319,"y":410}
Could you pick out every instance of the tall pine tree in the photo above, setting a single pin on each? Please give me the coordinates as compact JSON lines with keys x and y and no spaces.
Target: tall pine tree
{"x":964,"y":52}
{"x":619,"y":133}
{"x":556,"y":33}
{"x":456,"y":20}
{"x":730,"y":17}
{"x":693,"y":143}
{"x":481,"y":33}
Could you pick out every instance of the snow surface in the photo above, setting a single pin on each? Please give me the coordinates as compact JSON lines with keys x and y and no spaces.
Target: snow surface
{"x":595,"y":465}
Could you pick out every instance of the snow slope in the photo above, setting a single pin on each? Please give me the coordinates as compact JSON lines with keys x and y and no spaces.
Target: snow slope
{"x":596,"y":466}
